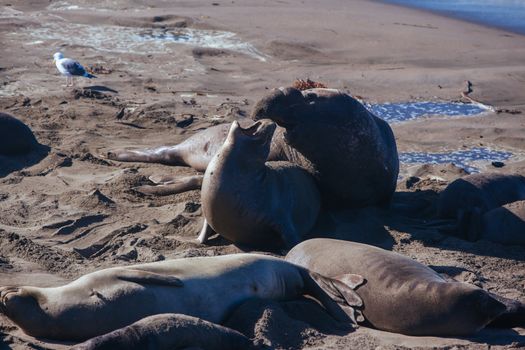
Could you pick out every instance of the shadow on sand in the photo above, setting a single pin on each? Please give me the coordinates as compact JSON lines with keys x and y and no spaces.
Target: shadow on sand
{"x":284,"y":324}
{"x":412,"y":214}
{"x":12,"y":163}
{"x":100,"y":88}
{"x":424,"y":225}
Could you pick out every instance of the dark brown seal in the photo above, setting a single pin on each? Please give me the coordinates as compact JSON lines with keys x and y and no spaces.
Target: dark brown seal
{"x":401,"y":295}
{"x":251,"y":202}
{"x":351,"y":152}
{"x":15,"y":137}
{"x":467,"y":199}
{"x":505,"y":224}
{"x":480,"y":192}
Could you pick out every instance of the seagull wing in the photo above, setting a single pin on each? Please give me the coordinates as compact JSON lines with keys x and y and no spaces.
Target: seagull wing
{"x":73,"y":67}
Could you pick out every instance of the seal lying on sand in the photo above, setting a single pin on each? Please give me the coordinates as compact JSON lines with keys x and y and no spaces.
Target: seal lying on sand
{"x":401,"y":295}
{"x":505,"y":224}
{"x":351,"y":152}
{"x":15,"y":137}
{"x":168,"y":332}
{"x":254,"y":203}
{"x":196,"y":151}
{"x":479,"y":192}
{"x":468,"y":198}
{"x":203,"y":287}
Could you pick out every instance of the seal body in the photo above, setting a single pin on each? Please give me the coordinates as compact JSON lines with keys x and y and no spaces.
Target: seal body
{"x":401,"y":295}
{"x":351,"y":152}
{"x":203,"y":287}
{"x":168,"y":332}
{"x":251,"y":202}
{"x":505,"y":224}
{"x":15,"y":137}
{"x":481,"y":193}
{"x":196,"y":151}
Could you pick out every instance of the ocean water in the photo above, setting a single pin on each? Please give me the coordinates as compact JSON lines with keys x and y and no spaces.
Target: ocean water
{"x":465,"y":159}
{"x":405,"y":111}
{"x":504,"y":14}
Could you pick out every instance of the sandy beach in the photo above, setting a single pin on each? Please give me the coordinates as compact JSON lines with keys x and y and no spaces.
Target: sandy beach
{"x":168,"y":69}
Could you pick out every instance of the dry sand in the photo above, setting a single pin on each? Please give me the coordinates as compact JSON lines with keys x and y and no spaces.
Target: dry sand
{"x":73,"y":212}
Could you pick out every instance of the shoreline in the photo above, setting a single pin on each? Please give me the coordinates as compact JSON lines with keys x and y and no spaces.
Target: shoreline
{"x":449,"y":15}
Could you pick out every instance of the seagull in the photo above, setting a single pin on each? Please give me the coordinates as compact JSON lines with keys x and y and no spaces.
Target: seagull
{"x":70,"y":68}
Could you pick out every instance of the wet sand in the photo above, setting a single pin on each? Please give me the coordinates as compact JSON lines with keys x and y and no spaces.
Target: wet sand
{"x":73,"y":211}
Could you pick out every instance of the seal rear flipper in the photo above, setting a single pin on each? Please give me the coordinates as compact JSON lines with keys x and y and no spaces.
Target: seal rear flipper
{"x":473,"y":231}
{"x":206,"y":232}
{"x":146,"y":277}
{"x":513,"y":316}
{"x":180,"y":185}
{"x":341,"y":291}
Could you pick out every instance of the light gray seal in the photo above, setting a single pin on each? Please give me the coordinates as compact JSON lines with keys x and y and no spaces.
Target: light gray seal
{"x":196,"y":151}
{"x":251,"y":202}
{"x":401,"y":295}
{"x":169,"y":332}
{"x":203,"y":287}
{"x":351,"y":152}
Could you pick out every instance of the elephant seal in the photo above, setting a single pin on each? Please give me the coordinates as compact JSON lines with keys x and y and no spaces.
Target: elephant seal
{"x":15,"y":137}
{"x":254,"y":203}
{"x":203,"y":287}
{"x":401,"y":295}
{"x":480,"y":192}
{"x":505,"y":224}
{"x":196,"y":151}
{"x":168,"y":332}
{"x":351,"y":152}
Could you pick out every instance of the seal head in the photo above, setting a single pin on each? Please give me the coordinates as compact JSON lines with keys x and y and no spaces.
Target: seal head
{"x":351,"y":153}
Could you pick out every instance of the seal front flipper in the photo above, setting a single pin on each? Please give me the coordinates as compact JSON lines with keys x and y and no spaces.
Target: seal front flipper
{"x":513,"y":316}
{"x":206,"y":232}
{"x":146,"y":277}
{"x":342,"y":290}
{"x":331,"y":293}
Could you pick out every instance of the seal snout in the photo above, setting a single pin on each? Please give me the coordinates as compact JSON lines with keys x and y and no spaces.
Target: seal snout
{"x":260,"y":130}
{"x":6,"y":294}
{"x":251,"y":130}
{"x":278,"y":105}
